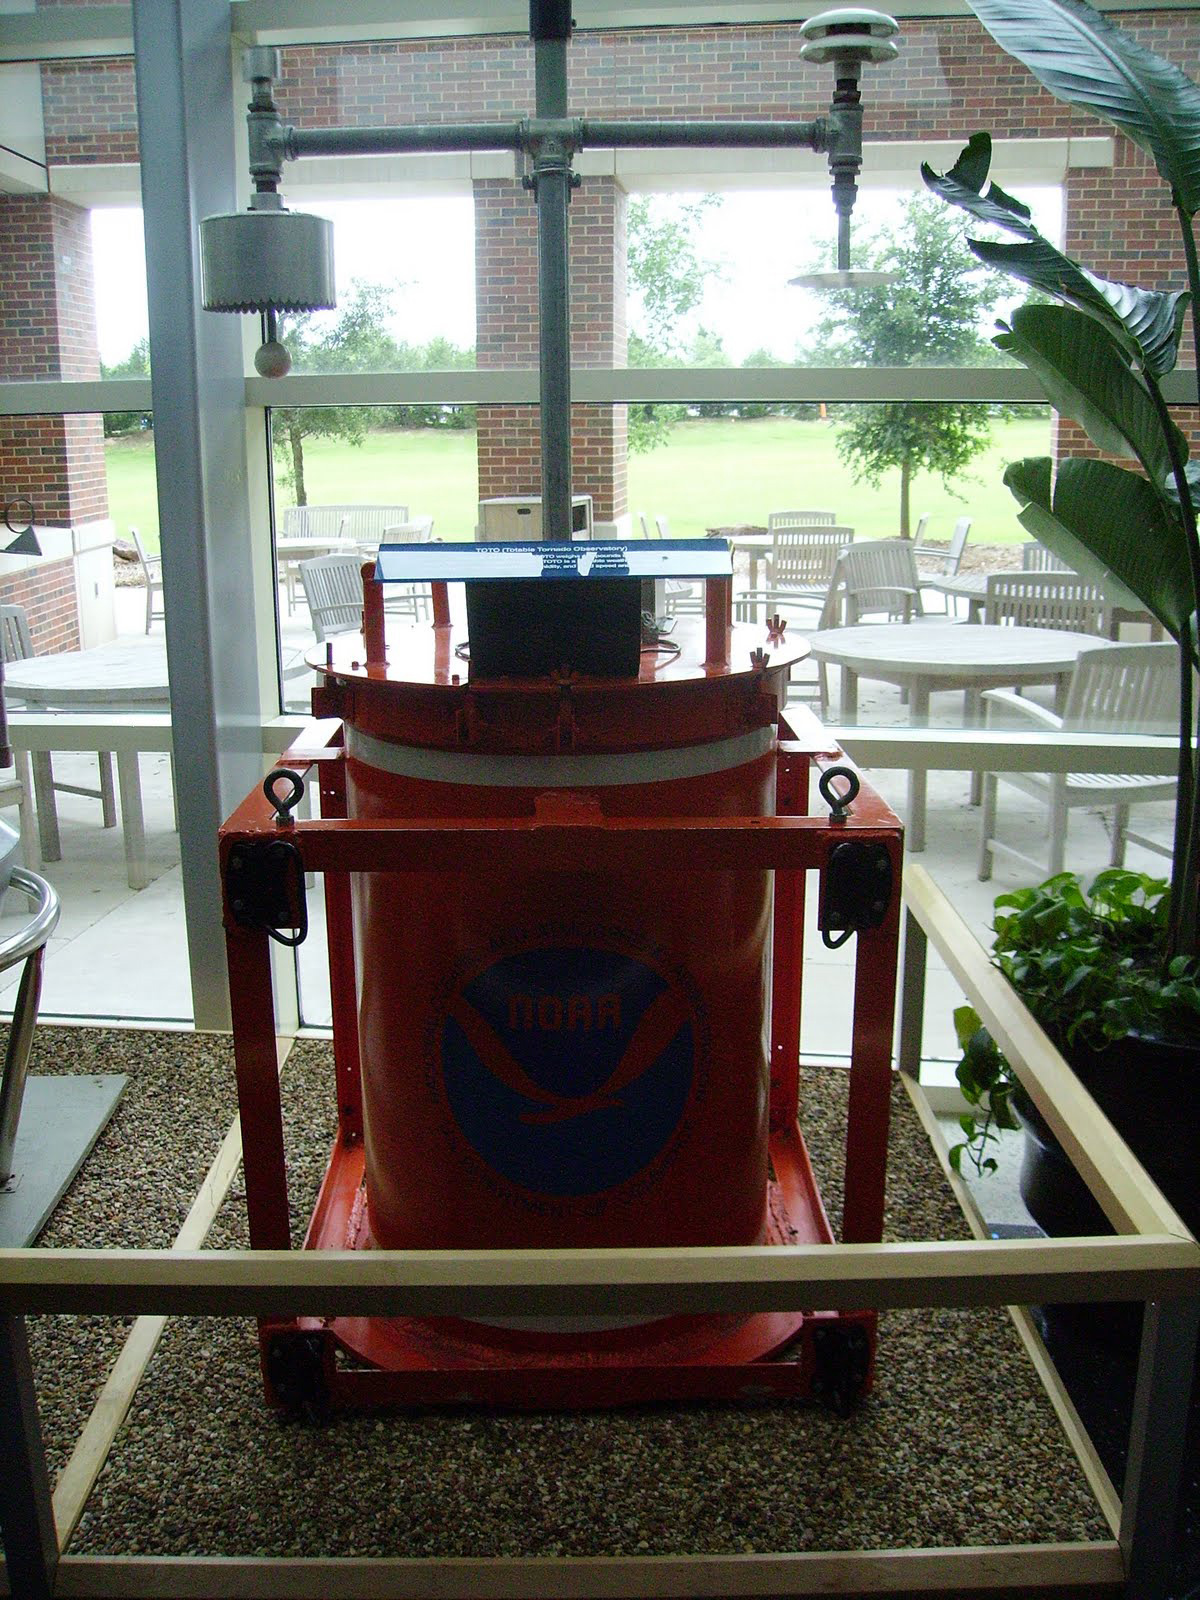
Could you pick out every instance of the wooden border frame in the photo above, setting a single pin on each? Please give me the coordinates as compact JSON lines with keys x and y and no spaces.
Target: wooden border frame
{"x":1153,"y":1258}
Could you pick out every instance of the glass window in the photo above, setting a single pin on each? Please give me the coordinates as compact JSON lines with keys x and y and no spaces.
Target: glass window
{"x":405,"y":286}
{"x":709,"y":280}
{"x":120,"y":949}
{"x":122,"y":322}
{"x":422,"y":457}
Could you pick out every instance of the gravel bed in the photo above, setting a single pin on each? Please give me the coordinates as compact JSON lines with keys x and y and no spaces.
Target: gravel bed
{"x":986,"y":557}
{"x":134,"y":1190}
{"x":956,"y":1445}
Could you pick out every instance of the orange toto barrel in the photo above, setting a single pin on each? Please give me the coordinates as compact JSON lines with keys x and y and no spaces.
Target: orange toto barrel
{"x":562,"y":1058}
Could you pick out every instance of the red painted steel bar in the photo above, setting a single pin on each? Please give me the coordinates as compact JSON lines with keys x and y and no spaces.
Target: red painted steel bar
{"x":252,"y":1005}
{"x":718,"y":615}
{"x":871,"y":1071}
{"x":787,"y":959}
{"x":472,"y":844}
{"x":343,"y":983}
{"x":373,"y":626}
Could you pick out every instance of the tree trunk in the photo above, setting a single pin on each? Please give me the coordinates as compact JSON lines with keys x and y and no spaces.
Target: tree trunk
{"x":296,"y":445}
{"x":905,"y":488}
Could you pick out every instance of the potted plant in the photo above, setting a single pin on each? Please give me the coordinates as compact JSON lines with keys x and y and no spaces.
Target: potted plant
{"x":1100,"y":351}
{"x":1088,"y":964}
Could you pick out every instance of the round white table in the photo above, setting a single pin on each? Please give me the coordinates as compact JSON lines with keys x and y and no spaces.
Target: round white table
{"x":127,"y":674}
{"x":923,"y":656}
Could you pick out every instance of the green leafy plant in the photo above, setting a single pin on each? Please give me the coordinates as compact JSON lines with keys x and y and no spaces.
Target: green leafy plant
{"x":1100,"y":353}
{"x":1088,"y":964}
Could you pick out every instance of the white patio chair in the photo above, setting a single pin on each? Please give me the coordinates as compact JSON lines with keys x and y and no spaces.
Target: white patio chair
{"x":16,"y":789}
{"x":1036,"y":558}
{"x":16,"y":643}
{"x":878,"y":576}
{"x":412,"y":599}
{"x":815,"y":691}
{"x":333,"y":589}
{"x":936,"y":562}
{"x":1130,"y":688}
{"x":152,"y":573}
{"x":1046,"y":600}
{"x":945,"y":559}
{"x":681,"y":596}
{"x":415,"y":530}
{"x":777,"y":520}
{"x":803,"y":563}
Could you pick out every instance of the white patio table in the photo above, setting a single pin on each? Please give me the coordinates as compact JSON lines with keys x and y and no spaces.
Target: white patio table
{"x":923,"y":656}
{"x":127,"y":674}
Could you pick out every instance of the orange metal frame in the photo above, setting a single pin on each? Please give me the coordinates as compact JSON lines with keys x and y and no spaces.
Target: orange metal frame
{"x":391,"y":1364}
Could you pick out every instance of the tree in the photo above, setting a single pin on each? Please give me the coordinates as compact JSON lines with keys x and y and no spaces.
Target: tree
{"x":135,"y":365}
{"x":929,"y":315}
{"x":358,"y":341}
{"x":667,"y":278}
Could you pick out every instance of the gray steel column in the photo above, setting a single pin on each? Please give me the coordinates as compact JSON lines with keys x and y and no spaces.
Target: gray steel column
{"x":552,"y":175}
{"x":1157,"y":1435}
{"x":186,"y":117}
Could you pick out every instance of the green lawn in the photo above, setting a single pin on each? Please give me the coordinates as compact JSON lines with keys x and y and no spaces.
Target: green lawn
{"x":710,"y":473}
{"x":132,"y":495}
{"x":716,"y":473}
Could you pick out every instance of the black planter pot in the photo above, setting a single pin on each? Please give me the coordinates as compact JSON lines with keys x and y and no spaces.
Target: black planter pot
{"x":1150,"y":1091}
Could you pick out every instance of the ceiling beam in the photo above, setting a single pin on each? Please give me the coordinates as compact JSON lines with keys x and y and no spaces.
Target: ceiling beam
{"x":61,"y":33}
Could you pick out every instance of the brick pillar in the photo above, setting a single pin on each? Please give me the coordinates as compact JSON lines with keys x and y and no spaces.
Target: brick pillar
{"x":49,"y":331}
{"x":1120,"y":223}
{"x":506,"y":336}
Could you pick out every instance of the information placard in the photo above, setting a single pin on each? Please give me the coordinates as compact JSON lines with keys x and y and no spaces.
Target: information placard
{"x":597,"y":559}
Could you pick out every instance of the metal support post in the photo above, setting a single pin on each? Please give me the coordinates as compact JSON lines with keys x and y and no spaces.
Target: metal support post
{"x":553,"y":180}
{"x":1157,"y":1435}
{"x":552,"y":185}
{"x":26,"y":1510}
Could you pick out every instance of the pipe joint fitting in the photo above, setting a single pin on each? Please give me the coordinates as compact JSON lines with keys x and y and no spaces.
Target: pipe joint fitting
{"x":267,"y":141}
{"x":551,"y":142}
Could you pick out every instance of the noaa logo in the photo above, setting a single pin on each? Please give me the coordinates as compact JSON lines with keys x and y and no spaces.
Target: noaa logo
{"x":569,"y":1069}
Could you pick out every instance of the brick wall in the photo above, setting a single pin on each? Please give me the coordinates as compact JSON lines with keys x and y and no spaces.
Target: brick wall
{"x":47,"y":593}
{"x":949,"y":79}
{"x":48,"y":330}
{"x":506,"y":312}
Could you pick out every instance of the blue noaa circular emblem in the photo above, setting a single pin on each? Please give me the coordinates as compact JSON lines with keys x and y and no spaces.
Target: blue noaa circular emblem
{"x":568,"y":1069}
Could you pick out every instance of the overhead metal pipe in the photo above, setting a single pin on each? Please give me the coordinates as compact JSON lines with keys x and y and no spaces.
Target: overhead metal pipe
{"x":665,"y":134}
{"x":421,"y":137}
